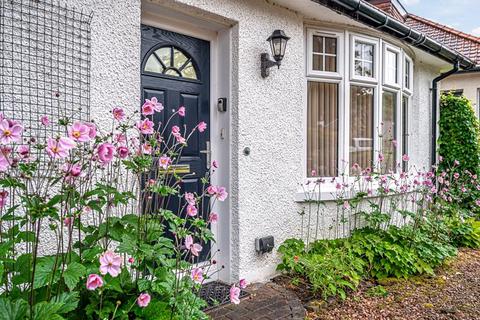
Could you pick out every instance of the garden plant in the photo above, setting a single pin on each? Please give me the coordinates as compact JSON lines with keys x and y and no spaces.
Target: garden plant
{"x":88,"y":229}
{"x":390,"y":224}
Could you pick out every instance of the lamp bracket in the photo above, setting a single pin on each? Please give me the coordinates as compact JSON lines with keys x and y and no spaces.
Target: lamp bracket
{"x":266,"y":64}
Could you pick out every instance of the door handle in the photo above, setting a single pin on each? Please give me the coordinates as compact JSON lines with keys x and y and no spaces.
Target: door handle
{"x":176,"y":168}
{"x":208,"y":153}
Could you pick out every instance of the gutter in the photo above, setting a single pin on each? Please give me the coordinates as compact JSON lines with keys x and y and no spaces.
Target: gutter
{"x":373,"y":17}
{"x":435,"y":104}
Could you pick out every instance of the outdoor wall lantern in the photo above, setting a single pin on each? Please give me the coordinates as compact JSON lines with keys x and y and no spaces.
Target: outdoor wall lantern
{"x":278,"y":43}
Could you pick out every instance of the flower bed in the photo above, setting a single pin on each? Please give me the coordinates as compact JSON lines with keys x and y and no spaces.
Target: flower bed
{"x":100,"y":202}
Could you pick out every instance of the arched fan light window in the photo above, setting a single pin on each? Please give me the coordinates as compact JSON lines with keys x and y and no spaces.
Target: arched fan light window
{"x":171,"y":61}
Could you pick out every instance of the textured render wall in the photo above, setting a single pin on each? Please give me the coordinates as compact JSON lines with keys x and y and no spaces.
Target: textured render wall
{"x":115,"y":76}
{"x":269,"y":114}
{"x":268,"y":118}
{"x":115,"y":62}
{"x":469,"y":82}
{"x":421,"y":116}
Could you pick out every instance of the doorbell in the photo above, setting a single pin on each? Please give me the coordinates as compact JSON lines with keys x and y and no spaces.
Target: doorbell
{"x":222,"y":104}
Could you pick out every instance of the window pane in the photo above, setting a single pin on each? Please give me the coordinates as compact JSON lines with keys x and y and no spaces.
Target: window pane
{"x":364,"y":59}
{"x":391,"y":67}
{"x":331,"y":45}
{"x":358,"y":50}
{"x":322,"y":134}
{"x":407,"y":74}
{"x":318,"y":44}
{"x":367,"y":69}
{"x":405,"y":130}
{"x":358,"y":68}
{"x":361,"y":126}
{"x":367,"y":52}
{"x":318,"y":62}
{"x":330,"y":63}
{"x":389,"y":137}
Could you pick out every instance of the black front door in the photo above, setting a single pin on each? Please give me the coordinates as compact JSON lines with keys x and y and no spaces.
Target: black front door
{"x":176,"y":70}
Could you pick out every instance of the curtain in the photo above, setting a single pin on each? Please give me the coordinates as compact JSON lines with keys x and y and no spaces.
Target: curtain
{"x":361,"y":127}
{"x":322,"y":131}
{"x":389,"y":137}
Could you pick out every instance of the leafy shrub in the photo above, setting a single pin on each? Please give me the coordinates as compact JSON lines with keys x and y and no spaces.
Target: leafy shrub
{"x":291,"y":250}
{"x":335,"y":266}
{"x":465,"y":234}
{"x":459,"y":134}
{"x":334,"y":271}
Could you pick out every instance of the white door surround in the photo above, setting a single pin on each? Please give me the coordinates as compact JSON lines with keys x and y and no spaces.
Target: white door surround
{"x":219,"y":36}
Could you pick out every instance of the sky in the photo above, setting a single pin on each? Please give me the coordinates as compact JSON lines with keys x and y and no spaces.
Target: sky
{"x":463,"y":15}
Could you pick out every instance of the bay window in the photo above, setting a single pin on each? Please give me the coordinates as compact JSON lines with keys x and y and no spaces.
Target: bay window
{"x":357,"y":113}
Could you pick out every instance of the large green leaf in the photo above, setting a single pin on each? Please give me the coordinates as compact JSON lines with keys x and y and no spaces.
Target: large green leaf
{"x":46,"y":311}
{"x":13,"y":310}
{"x":45,"y":273}
{"x":68,"y":301}
{"x":73,"y":273}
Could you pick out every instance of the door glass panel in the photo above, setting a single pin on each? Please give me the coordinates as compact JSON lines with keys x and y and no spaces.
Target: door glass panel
{"x":153,"y":65}
{"x":179,"y":59}
{"x":189,"y":71}
{"x":172,"y":72}
{"x":165,"y":55}
{"x":172,"y":62}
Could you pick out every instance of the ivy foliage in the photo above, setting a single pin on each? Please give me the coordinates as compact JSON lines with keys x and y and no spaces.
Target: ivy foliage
{"x":459,"y":137}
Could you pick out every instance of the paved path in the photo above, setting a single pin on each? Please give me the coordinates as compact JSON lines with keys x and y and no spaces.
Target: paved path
{"x":266,"y":302}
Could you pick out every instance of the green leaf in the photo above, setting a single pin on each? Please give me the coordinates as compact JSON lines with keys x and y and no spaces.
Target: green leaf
{"x":72,"y":274}
{"x":68,"y":300}
{"x":13,"y":310}
{"x":44,"y":273}
{"x":47,"y":311}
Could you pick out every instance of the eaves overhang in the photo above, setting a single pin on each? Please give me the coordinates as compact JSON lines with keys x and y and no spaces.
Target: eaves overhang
{"x":376,"y":18}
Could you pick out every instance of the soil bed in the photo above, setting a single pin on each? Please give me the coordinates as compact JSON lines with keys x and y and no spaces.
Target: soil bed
{"x":453,"y":293}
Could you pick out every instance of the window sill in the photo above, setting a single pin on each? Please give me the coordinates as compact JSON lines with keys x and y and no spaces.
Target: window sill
{"x":328,"y":194}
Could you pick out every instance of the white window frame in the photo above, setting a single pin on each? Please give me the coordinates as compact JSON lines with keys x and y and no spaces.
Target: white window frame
{"x":398,"y":122}
{"x":376,"y":58}
{"x":396,"y":85}
{"x":407,"y":88}
{"x":409,"y":99}
{"x":345,"y":77}
{"x":340,"y":51}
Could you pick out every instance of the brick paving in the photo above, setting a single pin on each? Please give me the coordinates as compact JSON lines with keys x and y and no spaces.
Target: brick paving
{"x":267,"y":301}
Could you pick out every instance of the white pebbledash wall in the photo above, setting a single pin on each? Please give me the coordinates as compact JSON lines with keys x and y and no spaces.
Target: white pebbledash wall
{"x":266,"y":114}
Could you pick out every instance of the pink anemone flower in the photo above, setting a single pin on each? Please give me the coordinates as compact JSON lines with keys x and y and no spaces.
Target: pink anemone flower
{"x":10,"y":132}
{"x":197,"y":275}
{"x":235,"y":295}
{"x":59,"y":149}
{"x":143,"y":300}
{"x":79,"y":132}
{"x":94,"y":281}
{"x":110,"y":263}
{"x":194,"y":248}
